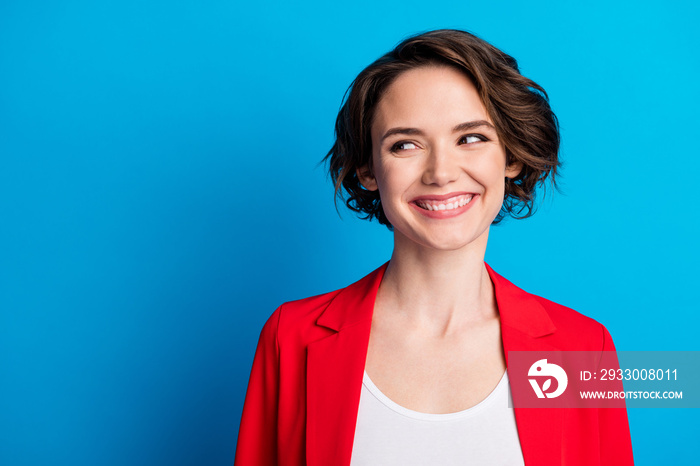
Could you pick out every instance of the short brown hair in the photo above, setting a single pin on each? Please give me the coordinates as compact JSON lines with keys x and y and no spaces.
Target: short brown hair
{"x":518,"y":106}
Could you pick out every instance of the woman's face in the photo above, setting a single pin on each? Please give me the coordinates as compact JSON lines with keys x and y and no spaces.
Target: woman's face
{"x":438,"y":163}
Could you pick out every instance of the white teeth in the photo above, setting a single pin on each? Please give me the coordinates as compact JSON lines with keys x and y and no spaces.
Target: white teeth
{"x":449,"y":206}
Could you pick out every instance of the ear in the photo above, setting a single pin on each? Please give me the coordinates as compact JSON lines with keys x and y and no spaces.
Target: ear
{"x":367,"y":178}
{"x":514,"y":169}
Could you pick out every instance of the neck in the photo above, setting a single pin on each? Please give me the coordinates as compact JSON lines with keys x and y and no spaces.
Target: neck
{"x":439,"y":291}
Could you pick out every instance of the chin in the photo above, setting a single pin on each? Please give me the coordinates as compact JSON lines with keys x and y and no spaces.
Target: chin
{"x":449,"y":244}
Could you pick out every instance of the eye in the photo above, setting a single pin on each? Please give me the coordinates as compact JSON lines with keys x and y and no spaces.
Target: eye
{"x":472,"y":138}
{"x":403,"y":145}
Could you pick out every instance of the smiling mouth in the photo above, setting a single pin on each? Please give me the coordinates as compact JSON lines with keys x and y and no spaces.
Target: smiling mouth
{"x":448,"y":204}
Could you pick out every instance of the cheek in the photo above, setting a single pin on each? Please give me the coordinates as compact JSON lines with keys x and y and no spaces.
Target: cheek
{"x":392,"y":182}
{"x":388,"y":190}
{"x":387,"y":176}
{"x":495,"y":161}
{"x":489,"y":171}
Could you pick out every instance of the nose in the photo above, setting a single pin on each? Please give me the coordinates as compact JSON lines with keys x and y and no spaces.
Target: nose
{"x":441,"y":167}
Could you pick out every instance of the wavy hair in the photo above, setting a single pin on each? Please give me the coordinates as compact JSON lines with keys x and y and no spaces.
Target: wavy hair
{"x":518,"y":107}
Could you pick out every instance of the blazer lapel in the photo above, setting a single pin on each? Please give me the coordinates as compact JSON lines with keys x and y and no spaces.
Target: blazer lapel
{"x":524,"y":323}
{"x":335,"y":367}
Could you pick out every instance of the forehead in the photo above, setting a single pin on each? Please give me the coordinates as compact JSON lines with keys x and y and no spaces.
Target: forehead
{"x":430,"y":98}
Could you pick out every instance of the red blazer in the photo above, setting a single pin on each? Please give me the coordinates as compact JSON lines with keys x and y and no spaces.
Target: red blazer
{"x":304,"y":391}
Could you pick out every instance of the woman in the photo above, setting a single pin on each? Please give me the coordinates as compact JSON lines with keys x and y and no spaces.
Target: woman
{"x":438,"y":139}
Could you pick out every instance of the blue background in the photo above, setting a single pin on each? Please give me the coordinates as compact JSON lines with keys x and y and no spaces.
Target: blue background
{"x":160,"y":197}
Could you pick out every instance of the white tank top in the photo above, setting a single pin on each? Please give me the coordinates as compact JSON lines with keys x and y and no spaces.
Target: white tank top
{"x":387,"y":434}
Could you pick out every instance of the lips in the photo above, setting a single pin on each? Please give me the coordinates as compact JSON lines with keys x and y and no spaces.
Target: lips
{"x":447,"y":201}
{"x":441,"y":197}
{"x":450,"y":206}
{"x":450,"y":203}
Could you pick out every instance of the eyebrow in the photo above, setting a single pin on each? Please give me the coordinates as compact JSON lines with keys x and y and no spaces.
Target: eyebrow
{"x":460,"y":127}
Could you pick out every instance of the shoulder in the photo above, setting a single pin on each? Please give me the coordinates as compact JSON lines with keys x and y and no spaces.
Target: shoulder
{"x":294,"y":322}
{"x":551,"y":323}
{"x":566,"y":318}
{"x":306,"y":320}
{"x":306,"y":310}
{"x":574,"y":330}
